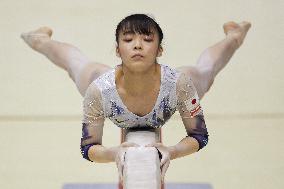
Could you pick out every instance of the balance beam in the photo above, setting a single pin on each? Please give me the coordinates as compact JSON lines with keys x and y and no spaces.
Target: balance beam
{"x":142,"y":164}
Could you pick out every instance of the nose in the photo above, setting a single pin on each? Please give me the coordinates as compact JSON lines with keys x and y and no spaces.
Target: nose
{"x":138,"y":44}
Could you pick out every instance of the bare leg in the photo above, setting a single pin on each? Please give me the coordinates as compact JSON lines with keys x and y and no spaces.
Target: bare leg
{"x":81,"y":70}
{"x":216,"y":57}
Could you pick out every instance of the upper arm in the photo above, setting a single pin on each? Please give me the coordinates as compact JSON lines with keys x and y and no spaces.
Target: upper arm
{"x":191,"y":111}
{"x":187,"y":97}
{"x":195,"y":76}
{"x":93,"y":117}
{"x":87,"y":73}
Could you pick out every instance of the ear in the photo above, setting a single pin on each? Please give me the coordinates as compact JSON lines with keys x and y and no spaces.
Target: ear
{"x":160,"y":51}
{"x":117,"y":51}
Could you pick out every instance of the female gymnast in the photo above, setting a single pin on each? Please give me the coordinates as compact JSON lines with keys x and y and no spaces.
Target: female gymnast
{"x":140,"y":93}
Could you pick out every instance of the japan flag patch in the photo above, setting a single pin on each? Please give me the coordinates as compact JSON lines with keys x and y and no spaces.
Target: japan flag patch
{"x":193,"y":105}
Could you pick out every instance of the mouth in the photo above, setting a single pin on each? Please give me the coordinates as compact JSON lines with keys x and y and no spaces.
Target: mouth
{"x":137,"y":56}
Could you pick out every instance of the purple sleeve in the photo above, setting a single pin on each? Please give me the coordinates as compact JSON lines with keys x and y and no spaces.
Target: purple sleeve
{"x":199,"y":132}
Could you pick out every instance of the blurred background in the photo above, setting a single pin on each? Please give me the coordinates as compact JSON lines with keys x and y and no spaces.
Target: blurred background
{"x":41,"y":109}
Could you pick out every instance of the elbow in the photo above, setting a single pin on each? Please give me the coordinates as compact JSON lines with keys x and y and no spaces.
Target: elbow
{"x":200,"y":132}
{"x":202,"y":139}
{"x":85,"y":150}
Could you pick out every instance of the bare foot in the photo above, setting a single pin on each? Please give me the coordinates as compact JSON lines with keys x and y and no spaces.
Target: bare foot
{"x":37,"y":37}
{"x":237,"y":31}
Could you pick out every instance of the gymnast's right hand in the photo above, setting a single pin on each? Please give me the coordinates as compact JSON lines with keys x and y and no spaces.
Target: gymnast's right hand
{"x":120,"y":155}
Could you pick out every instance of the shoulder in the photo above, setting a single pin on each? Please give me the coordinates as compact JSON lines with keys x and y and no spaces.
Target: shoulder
{"x":169,"y":74}
{"x":92,"y":92}
{"x":104,"y":81}
{"x":93,"y":102}
{"x":185,"y":87}
{"x":183,"y":78}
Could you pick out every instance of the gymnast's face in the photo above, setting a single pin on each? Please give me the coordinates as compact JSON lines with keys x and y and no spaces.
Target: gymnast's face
{"x":138,"y":51}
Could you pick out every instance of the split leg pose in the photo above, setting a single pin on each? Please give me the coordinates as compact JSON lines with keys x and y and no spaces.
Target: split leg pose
{"x":79,"y":67}
{"x":215,"y":58}
{"x":83,"y":71}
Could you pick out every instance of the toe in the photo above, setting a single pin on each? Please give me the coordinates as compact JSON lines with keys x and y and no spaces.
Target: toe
{"x":245,"y":24}
{"x":230,"y":26}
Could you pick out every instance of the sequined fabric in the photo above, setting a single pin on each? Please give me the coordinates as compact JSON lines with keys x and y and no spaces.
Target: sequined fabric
{"x":176,"y":92}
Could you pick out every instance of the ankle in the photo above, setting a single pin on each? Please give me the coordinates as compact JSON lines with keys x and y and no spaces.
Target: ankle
{"x":40,"y":42}
{"x":233,"y":41}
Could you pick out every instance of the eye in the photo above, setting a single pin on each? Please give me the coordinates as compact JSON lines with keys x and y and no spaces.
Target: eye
{"x":127,"y":40}
{"x":148,"y":38}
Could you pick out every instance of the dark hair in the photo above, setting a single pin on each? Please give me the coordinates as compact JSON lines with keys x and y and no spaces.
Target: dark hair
{"x":139,"y":23}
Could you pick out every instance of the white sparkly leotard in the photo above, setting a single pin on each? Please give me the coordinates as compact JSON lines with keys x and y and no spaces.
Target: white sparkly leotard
{"x":176,"y":92}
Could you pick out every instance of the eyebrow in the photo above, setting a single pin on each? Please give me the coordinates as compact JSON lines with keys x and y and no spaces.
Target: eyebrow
{"x":132,"y":32}
{"x":128,"y":32}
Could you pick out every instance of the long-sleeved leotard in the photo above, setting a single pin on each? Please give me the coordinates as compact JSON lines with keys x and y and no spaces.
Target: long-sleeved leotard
{"x":177,"y":92}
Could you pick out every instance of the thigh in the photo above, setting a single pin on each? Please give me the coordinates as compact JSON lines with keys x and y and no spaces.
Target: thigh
{"x":194,"y":74}
{"x":88,"y":73}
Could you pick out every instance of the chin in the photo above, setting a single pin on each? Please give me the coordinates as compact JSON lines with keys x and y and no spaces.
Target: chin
{"x":140,"y":66}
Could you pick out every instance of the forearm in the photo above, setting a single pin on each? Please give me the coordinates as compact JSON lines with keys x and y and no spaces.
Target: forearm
{"x":186,"y":146}
{"x":101,"y":154}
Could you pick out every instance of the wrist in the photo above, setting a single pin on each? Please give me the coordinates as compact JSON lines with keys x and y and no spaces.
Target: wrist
{"x":173,"y":152}
{"x":111,"y":153}
{"x":99,"y":154}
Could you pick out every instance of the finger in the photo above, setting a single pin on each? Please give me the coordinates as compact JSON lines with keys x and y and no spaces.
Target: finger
{"x":164,"y":170}
{"x":119,"y":168}
{"x":121,"y":165}
{"x":159,"y":153}
{"x":122,"y":158}
{"x":129,"y":144}
{"x":120,"y":173}
{"x":153,"y":145}
{"x":119,"y":161}
{"x":164,"y":159}
{"x":150,"y":145}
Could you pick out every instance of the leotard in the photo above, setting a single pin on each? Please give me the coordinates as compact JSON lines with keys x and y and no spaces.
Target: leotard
{"x":177,"y":92}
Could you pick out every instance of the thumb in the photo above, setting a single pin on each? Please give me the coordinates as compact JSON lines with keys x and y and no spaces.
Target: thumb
{"x":129,"y":144}
{"x":163,"y":160}
{"x":152,"y":145}
{"x":163,"y":171}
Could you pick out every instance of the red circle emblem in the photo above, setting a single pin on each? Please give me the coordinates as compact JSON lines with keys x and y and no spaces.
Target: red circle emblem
{"x":193,"y":101}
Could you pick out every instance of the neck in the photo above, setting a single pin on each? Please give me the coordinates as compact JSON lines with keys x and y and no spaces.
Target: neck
{"x":138,"y":83}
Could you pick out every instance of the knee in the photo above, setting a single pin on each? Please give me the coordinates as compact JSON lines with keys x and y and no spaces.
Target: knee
{"x":85,"y":75}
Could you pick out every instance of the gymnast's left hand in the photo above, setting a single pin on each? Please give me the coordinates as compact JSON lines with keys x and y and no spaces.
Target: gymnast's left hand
{"x":166,"y":157}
